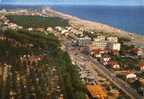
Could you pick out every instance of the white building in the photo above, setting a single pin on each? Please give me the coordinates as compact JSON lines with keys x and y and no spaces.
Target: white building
{"x":30,"y":29}
{"x":99,"y":45}
{"x":58,"y":28}
{"x":85,"y":41}
{"x":99,"y":38}
{"x":115,"y":46}
{"x":12,"y":25}
{"x":140,"y":52}
{"x":112,"y":39}
{"x":64,"y":31}
{"x":49,"y":29}
{"x":131,"y":76}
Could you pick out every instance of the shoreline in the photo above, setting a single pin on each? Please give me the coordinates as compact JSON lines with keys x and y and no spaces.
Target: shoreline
{"x":96,"y":26}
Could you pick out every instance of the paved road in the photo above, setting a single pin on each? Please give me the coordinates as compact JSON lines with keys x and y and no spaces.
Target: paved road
{"x":76,"y":55}
{"x":118,"y":82}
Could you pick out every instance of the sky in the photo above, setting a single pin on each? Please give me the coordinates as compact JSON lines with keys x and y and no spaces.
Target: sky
{"x":78,"y":2}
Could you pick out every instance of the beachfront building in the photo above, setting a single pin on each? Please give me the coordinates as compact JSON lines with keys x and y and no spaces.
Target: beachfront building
{"x":112,"y":39}
{"x":99,"y":45}
{"x":100,"y":38}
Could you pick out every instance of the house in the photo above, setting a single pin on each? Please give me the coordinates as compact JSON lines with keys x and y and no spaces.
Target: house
{"x":30,"y":29}
{"x":12,"y":26}
{"x":49,"y":29}
{"x":2,"y":37}
{"x":131,"y":76}
{"x":141,"y":65}
{"x":114,"y":64}
{"x":30,"y":59}
{"x":97,"y":53}
{"x":19,"y":27}
{"x":140,"y":52}
{"x":40,"y":29}
{"x":58,"y":28}
{"x":106,"y":59}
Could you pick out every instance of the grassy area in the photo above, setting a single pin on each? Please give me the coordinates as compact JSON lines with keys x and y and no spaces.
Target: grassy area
{"x":37,"y":21}
{"x":72,"y":87}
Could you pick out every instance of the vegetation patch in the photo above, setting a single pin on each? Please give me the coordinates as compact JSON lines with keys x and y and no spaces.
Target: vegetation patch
{"x":37,"y":21}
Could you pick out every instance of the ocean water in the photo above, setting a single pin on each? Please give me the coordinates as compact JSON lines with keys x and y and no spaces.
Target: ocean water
{"x":128,"y":18}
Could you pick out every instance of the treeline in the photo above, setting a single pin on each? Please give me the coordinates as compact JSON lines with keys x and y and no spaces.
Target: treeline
{"x":37,"y":21}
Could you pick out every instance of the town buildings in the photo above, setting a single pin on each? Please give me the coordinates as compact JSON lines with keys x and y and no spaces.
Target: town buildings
{"x":84,"y":41}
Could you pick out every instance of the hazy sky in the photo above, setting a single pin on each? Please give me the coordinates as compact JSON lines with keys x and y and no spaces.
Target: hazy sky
{"x":95,"y":2}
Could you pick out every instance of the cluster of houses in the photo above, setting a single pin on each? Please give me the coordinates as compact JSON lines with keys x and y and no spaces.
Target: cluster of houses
{"x":30,"y":59}
{"x":6,"y":24}
{"x":14,"y":42}
{"x":103,"y":48}
{"x":100,"y":47}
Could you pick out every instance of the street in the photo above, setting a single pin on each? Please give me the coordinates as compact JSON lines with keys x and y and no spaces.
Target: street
{"x":79,"y":58}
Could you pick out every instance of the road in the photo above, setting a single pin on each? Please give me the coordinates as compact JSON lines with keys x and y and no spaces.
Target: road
{"x":95,"y":65}
{"x":79,"y":58}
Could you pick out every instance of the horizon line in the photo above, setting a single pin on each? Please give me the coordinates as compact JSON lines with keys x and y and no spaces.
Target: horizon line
{"x":73,"y":4}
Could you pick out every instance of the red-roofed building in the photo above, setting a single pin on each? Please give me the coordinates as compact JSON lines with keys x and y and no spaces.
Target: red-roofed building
{"x":114,"y":64}
{"x":97,"y":52}
{"x":141,"y":65}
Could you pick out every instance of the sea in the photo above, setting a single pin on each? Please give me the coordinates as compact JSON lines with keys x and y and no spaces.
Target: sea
{"x":128,"y":18}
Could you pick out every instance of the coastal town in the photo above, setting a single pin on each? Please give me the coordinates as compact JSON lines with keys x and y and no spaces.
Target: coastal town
{"x":110,"y":66}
